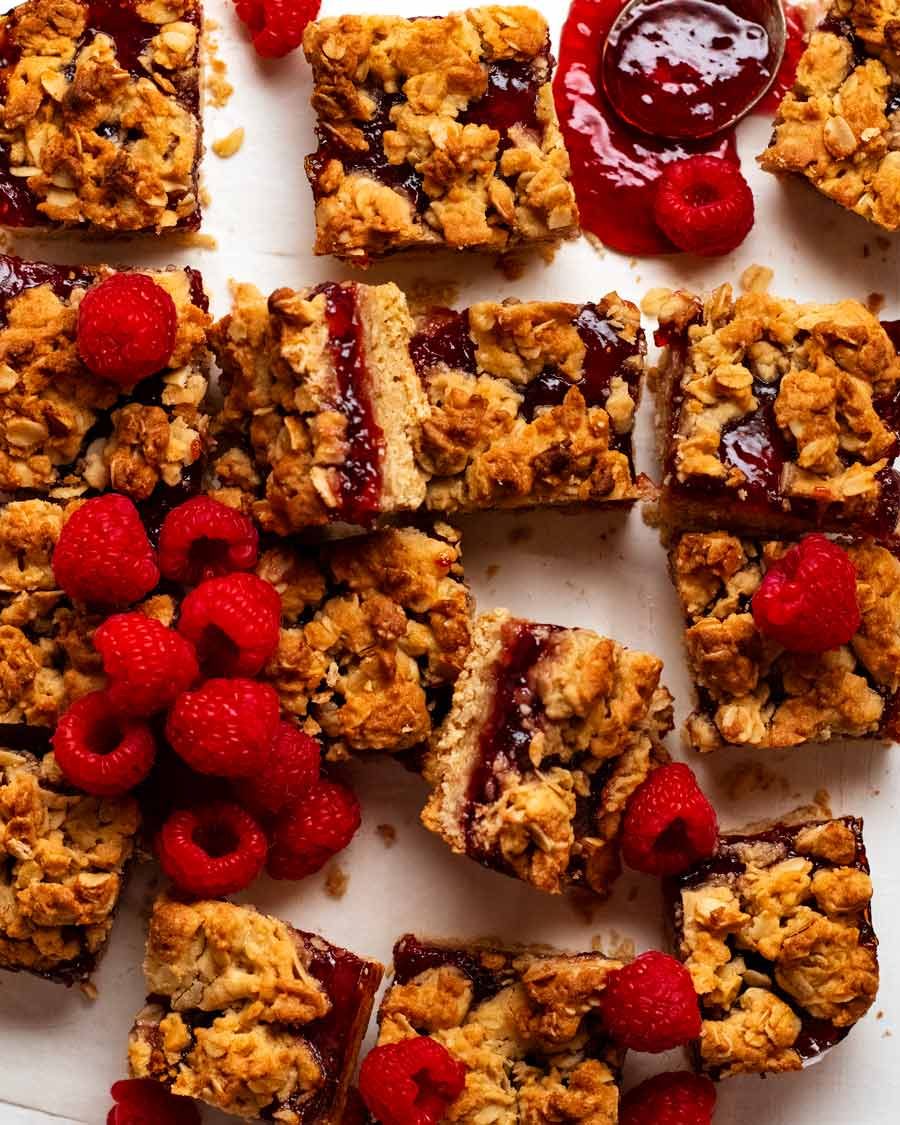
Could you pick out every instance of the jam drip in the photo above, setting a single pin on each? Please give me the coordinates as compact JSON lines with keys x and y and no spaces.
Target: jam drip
{"x":360,"y":472}
{"x":515,"y":716}
{"x":17,"y":275}
{"x":445,"y":341}
{"x":411,"y":957}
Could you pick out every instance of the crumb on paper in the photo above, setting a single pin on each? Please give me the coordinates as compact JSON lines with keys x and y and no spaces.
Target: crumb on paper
{"x":879,"y":1015}
{"x":632,"y":263}
{"x":547,"y":251}
{"x":520,"y":534}
{"x":424,"y":293}
{"x":512,"y":266}
{"x":388,"y":834}
{"x":493,"y":570}
{"x":197,"y":241}
{"x":614,"y":945}
{"x":756,"y":279}
{"x":89,"y":990}
{"x":230,"y":144}
{"x":875,"y":302}
{"x":654,"y":299}
{"x":595,"y":243}
{"x":750,"y":777}
{"x":336,"y":881}
{"x":218,"y":88}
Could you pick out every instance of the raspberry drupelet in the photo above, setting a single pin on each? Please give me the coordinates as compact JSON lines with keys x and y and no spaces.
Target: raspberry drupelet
{"x":276,"y":26}
{"x":212,"y":850}
{"x":100,"y":751}
{"x":704,"y":205}
{"x":203,"y":539}
{"x":233,"y":622}
{"x":141,"y":1101}
{"x":148,"y":665}
{"x":650,"y":1005}
{"x":412,"y":1082}
{"x":126,"y":328}
{"x":226,"y":727}
{"x":311,"y":829}
{"x":673,"y":1098}
{"x":669,"y":823}
{"x":292,"y":769}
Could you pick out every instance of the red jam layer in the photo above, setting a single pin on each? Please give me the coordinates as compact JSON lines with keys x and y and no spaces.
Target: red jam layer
{"x":360,"y":472}
{"x":412,"y":957}
{"x":17,"y":275}
{"x":510,"y":99}
{"x":686,"y":68}
{"x":614,"y":165}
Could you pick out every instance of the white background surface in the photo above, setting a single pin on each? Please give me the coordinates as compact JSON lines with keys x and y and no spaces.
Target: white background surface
{"x":59,"y":1053}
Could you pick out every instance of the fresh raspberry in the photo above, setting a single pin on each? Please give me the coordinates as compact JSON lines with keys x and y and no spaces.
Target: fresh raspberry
{"x":674,"y":1098}
{"x":141,"y":1101}
{"x":290,"y":771}
{"x":704,"y":205}
{"x":100,"y":751}
{"x":103,"y":555}
{"x":148,"y":665}
{"x":225,"y":728}
{"x":669,"y":824}
{"x":203,"y":539}
{"x":311,"y":829}
{"x":650,"y":1005}
{"x":126,"y":328}
{"x":276,"y":26}
{"x":807,"y":600}
{"x":233,"y":622}
{"x":212,"y":850}
{"x":413,"y":1082}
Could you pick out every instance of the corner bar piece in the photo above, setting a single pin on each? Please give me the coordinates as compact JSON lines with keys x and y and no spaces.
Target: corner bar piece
{"x":525,"y":1022}
{"x":776,"y":931}
{"x":64,"y":432}
{"x":750,"y":692}
{"x":550,"y":732}
{"x":530,"y":403}
{"x":777,"y":417}
{"x":100,"y":115}
{"x":63,"y":858}
{"x":249,"y":1014}
{"x":436,"y":133}
{"x":838,"y":125}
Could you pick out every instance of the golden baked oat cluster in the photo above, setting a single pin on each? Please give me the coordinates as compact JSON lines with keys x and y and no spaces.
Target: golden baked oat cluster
{"x":776,"y":416}
{"x":436,"y":133}
{"x":776,"y":933}
{"x":100,"y":118}
{"x":526,"y":1024}
{"x":839,"y":126}
{"x":550,"y":732}
{"x":62,"y":861}
{"x":341,"y":407}
{"x":250,"y":1015}
{"x":64,"y":431}
{"x":750,"y":691}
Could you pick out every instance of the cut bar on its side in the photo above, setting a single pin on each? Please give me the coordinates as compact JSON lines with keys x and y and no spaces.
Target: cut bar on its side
{"x":525,"y":1022}
{"x":550,"y":732}
{"x":436,"y":133}
{"x":837,"y":126}
{"x":322,"y":405}
{"x":63,"y":859}
{"x":530,"y":403}
{"x":249,"y":1014}
{"x":750,"y":691}
{"x":101,"y":116}
{"x":776,"y":931}
{"x":776,"y":417}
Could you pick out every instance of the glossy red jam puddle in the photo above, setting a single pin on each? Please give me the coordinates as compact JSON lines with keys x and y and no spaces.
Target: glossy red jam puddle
{"x":411,"y":957}
{"x":614,"y":165}
{"x":446,"y":341}
{"x":130,"y":34}
{"x":816,"y":1035}
{"x":360,"y":473}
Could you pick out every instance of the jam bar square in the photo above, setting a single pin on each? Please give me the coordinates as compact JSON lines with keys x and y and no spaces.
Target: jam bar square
{"x":63,"y":857}
{"x":530,"y":403}
{"x":750,"y":691}
{"x":100,"y":123}
{"x":776,"y":417}
{"x":250,"y":1015}
{"x":837,"y":126}
{"x":550,"y":732}
{"x":65,"y":432}
{"x":322,"y":405}
{"x":776,"y":931}
{"x":525,"y":1023}
{"x":375,"y":632}
{"x":436,"y":133}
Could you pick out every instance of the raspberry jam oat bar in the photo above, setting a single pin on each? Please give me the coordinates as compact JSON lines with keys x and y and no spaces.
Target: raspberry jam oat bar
{"x":250,"y":1015}
{"x":777,"y":417}
{"x":100,"y":116}
{"x":436,"y":133}
{"x":526,"y":1024}
{"x":750,"y":690}
{"x":375,"y":631}
{"x":65,"y":431}
{"x":321,"y":406}
{"x":63,"y":855}
{"x":776,"y":932}
{"x":550,"y":732}
{"x":838,"y":126}
{"x":530,"y":403}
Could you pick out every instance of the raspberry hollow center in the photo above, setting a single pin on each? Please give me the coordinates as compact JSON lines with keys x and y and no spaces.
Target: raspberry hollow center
{"x":217,"y":840}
